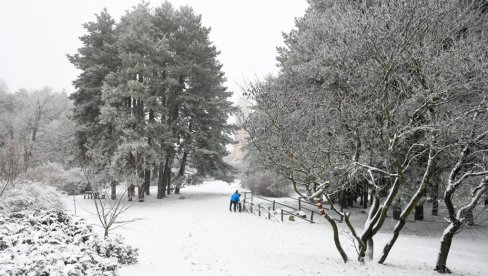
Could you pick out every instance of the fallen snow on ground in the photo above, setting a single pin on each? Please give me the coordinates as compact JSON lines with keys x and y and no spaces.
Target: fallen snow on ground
{"x":199,"y":236}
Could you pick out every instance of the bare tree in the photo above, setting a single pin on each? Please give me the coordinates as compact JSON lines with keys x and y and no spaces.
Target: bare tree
{"x":374,"y":106}
{"x":471,"y":164}
{"x":108,"y":210}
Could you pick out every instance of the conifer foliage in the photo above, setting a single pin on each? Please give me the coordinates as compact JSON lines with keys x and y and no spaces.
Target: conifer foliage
{"x":151,"y":98}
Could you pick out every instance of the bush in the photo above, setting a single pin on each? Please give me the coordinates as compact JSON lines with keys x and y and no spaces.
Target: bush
{"x":53,"y":243}
{"x":29,"y":196}
{"x":267,"y":184}
{"x":70,"y":181}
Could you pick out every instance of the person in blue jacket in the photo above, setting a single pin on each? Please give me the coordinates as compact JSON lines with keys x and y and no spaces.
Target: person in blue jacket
{"x":234,"y":200}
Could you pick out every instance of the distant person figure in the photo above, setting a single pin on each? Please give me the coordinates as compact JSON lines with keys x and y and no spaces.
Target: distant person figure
{"x":234,"y":200}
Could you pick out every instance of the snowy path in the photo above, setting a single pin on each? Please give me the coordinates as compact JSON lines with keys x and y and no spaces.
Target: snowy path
{"x":199,"y":236}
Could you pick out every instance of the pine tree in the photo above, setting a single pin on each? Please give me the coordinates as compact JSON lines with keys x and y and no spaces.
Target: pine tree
{"x":96,"y":59}
{"x":163,"y":101}
{"x":130,"y":97}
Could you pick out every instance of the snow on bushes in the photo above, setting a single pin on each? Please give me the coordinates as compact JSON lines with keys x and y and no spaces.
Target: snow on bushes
{"x":53,"y":243}
{"x":28,"y":196}
{"x":267,"y":184}
{"x":55,"y":175}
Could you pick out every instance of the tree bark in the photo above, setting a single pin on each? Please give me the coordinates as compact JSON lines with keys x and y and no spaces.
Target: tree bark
{"x":370,"y":249}
{"x":113,"y":194}
{"x":165,"y":176}
{"x":365,"y":196}
{"x":446,"y":242}
{"x":435,"y":196}
{"x":161,"y":187}
{"x":147,"y":181}
{"x":140,"y":193}
{"x":140,"y":174}
{"x":181,"y":172}
{"x":410,"y":206}
{"x":168,"y":182}
{"x":419,"y":212}
{"x":397,"y":211}
{"x":336,"y":238}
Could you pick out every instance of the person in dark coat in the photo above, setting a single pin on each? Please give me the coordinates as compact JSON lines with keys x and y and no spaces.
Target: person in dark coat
{"x":234,"y":200}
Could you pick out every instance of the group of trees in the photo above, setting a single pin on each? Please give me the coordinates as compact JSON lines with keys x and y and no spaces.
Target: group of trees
{"x":151,"y":98}
{"x":35,"y":127}
{"x":385,"y":97}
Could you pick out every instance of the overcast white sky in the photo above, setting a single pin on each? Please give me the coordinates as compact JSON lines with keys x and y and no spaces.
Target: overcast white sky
{"x":36,"y":35}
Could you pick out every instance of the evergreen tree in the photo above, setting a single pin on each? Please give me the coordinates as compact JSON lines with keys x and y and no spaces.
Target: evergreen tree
{"x":163,"y":100}
{"x":96,"y":59}
{"x":130,"y":97}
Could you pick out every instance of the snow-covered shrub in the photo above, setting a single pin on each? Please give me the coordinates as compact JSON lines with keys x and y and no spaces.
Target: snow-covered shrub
{"x":55,"y":175}
{"x":53,"y":243}
{"x":267,"y":184}
{"x":29,"y":196}
{"x":114,"y":247}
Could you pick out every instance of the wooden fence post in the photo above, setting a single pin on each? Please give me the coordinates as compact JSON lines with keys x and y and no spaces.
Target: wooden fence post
{"x":269,"y":213}
{"x":311,"y":216}
{"x":274,"y":203}
{"x":299,"y":203}
{"x":259,"y":209}
{"x":281,"y":215}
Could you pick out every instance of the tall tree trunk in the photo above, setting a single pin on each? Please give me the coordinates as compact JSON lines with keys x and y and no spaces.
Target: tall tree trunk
{"x":147,"y":173}
{"x":147,"y":181}
{"x":168,"y":182}
{"x":165,"y":175}
{"x":161,"y":187}
{"x":140,"y":174}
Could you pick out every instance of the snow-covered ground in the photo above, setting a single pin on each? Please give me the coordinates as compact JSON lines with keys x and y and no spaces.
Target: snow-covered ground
{"x":199,"y":236}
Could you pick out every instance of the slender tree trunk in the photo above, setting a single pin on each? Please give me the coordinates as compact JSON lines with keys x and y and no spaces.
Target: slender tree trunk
{"x":181,"y":172}
{"x":435,"y":196}
{"x":140,"y":174}
{"x":365,"y":196}
{"x":113,"y":194}
{"x":410,"y":206}
{"x":336,"y":238}
{"x":147,"y":180}
{"x":165,"y":175}
{"x":168,"y":182}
